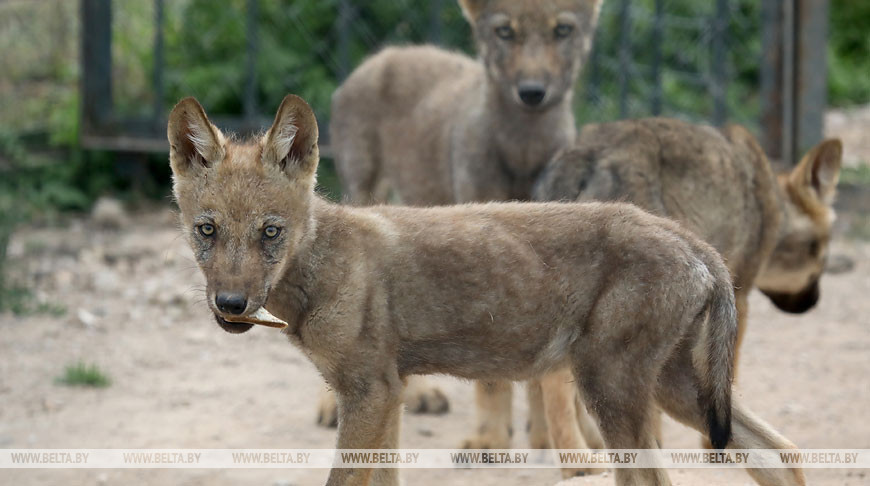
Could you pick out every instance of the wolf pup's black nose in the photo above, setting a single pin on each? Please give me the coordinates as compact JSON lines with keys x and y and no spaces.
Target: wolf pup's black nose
{"x":532,"y":94}
{"x":231,"y":303}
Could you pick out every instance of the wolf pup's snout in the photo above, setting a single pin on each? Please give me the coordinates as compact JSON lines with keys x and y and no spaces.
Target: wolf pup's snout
{"x":531,"y":93}
{"x":231,"y":303}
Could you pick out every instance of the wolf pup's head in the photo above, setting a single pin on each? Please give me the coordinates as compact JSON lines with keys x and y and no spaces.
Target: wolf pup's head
{"x":791,"y":276}
{"x":533,"y":50}
{"x":245,"y":206}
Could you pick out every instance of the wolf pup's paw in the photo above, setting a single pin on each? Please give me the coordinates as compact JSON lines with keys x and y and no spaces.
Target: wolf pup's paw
{"x":327,"y":409}
{"x":425,"y":398}
{"x":539,"y":435}
{"x":488,"y":439}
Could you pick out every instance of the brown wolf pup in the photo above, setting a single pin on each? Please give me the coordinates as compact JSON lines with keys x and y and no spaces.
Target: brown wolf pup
{"x":640,"y":310}
{"x":773,"y":231}
{"x":434,"y":127}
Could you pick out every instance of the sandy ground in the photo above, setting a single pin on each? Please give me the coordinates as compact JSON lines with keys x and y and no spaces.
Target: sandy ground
{"x":851,"y":125}
{"x":133,"y":301}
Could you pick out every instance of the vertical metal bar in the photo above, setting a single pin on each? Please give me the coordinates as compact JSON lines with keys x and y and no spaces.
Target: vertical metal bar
{"x":159,"y":61}
{"x":624,"y":56}
{"x":592,"y":91}
{"x":96,"y":32}
{"x":657,"y":34}
{"x":251,"y":48}
{"x":811,"y":74}
{"x":345,"y":13}
{"x":771,"y":77}
{"x":436,"y":26}
{"x":719,"y":68}
{"x":788,"y":31}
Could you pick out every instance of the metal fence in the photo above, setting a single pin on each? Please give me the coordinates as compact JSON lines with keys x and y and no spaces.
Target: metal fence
{"x":759,"y":63}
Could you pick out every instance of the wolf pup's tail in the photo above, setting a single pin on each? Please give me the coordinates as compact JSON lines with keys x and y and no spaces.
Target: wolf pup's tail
{"x":713,"y":357}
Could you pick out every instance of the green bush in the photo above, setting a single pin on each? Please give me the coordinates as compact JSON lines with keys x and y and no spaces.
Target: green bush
{"x":849,"y":53}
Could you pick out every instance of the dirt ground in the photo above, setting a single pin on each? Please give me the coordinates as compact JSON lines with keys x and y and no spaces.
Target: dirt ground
{"x":134,"y":306}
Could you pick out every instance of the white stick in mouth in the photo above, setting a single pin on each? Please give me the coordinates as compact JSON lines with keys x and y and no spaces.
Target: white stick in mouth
{"x":261,"y":317}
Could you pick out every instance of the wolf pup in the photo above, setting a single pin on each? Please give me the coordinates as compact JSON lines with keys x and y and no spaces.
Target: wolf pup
{"x":773,"y":230}
{"x":433,"y":127}
{"x":640,"y":310}
{"x":436,"y":127}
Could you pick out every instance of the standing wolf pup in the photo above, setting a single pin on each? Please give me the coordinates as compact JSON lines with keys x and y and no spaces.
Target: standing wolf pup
{"x":434,"y":127}
{"x":773,"y":231}
{"x":641,"y":310}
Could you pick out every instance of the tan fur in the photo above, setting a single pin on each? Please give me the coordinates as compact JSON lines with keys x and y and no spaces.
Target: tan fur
{"x":772,"y":231}
{"x":638,"y":308}
{"x":432,"y":127}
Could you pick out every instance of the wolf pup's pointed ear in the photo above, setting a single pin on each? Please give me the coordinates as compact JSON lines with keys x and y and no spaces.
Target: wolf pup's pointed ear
{"x":471,"y":9}
{"x":819,"y":170}
{"x":194,"y":142}
{"x":291,"y":143}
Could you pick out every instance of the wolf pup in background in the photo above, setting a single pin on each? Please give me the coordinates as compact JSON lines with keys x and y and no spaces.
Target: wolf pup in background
{"x":639,"y":309}
{"x":437,"y":127}
{"x":431,"y":127}
{"x":772,"y":230}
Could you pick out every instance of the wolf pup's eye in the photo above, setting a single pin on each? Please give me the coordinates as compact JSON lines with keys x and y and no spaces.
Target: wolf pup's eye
{"x":504,"y":32}
{"x":563,"y":30}
{"x":271,"y":231}
{"x":206,"y":229}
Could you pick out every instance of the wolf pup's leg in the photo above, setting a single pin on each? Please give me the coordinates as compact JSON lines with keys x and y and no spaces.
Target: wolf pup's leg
{"x":420,"y":396}
{"x":493,"y":400}
{"x":539,"y":436}
{"x":369,"y":414}
{"x":622,"y":403}
{"x":559,"y":393}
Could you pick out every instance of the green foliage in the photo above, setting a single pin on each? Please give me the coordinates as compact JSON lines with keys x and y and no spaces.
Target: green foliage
{"x":859,"y":175}
{"x":297,"y":47}
{"x":685,"y":66}
{"x":849,"y":53}
{"x":36,"y":186}
{"x":81,"y":374}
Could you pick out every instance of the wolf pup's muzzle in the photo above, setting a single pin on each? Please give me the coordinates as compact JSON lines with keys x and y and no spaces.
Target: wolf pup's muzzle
{"x":797,"y":303}
{"x":232,"y":327}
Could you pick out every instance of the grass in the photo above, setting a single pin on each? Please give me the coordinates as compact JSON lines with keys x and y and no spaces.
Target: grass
{"x":859,"y":176}
{"x":81,"y":374}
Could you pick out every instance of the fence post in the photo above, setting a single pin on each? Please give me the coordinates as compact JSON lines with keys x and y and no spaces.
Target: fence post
{"x":772,"y":100}
{"x":96,"y":61}
{"x":793,"y":76}
{"x":811,"y":73}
